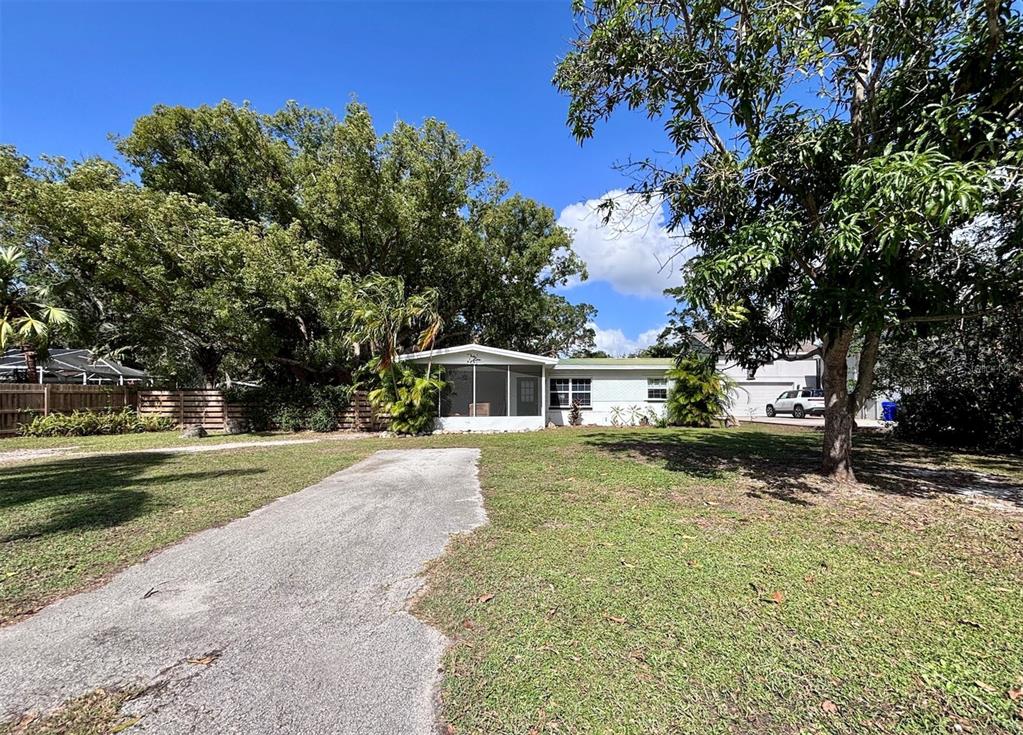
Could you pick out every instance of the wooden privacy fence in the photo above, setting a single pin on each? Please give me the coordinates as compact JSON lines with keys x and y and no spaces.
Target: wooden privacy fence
{"x":20,"y":401}
{"x":188,"y":407}
{"x":191,"y":407}
{"x":209,"y":409}
{"x":361,"y":416}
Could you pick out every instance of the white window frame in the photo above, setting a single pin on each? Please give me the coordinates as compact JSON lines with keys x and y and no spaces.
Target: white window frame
{"x":658,"y":384}
{"x":572,"y":391}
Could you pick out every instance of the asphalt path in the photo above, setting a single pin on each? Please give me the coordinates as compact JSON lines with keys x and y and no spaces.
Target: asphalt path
{"x":292,"y":619}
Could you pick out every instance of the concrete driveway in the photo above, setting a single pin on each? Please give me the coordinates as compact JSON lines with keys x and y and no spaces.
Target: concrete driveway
{"x":292,"y":619}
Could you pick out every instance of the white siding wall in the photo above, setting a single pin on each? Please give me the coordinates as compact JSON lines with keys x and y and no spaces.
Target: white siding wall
{"x":625,"y":388}
{"x":750,"y":398}
{"x":609,"y":388}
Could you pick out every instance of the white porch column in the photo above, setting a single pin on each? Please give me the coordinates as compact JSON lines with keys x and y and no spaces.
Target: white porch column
{"x":543,"y":394}
{"x":507,"y":404}
{"x":473,"y":411}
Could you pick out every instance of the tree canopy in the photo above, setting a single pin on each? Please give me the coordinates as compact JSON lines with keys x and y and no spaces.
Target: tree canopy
{"x":238,"y":242}
{"x":827,"y":159}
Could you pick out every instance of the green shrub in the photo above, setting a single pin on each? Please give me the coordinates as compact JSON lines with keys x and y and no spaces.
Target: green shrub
{"x":89,"y":423}
{"x":986,"y":417}
{"x":291,"y":418}
{"x":699,"y":394}
{"x":410,"y":399}
{"x":294,"y":407}
{"x":324,"y":419}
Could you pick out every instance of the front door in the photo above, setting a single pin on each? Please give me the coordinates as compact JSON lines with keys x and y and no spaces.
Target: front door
{"x":527,"y":396}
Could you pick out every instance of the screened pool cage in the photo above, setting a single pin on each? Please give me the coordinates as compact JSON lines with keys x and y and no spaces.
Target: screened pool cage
{"x":491,"y":391}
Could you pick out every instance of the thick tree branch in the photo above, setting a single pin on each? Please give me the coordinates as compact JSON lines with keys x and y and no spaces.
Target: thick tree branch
{"x":865,"y":371}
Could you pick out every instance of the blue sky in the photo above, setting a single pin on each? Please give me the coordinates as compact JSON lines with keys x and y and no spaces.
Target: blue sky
{"x":71,"y":73}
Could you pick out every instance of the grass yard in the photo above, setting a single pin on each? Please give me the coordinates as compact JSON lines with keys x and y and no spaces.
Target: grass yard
{"x":707,"y":582}
{"x":630,"y":581}
{"x":147,"y":440}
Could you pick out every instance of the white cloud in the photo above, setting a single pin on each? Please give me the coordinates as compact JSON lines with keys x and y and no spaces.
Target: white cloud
{"x":615,"y":343}
{"x":633,"y":251}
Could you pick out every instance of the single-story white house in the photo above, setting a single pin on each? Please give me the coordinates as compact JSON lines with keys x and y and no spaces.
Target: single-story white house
{"x":491,"y":389}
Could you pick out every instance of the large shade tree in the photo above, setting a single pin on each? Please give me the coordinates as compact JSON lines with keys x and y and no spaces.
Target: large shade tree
{"x":248,"y":240}
{"x":826,"y":160}
{"x":417,"y":202}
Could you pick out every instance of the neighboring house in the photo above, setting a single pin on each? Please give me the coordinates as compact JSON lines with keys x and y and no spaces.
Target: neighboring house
{"x":495,"y":389}
{"x":69,"y":366}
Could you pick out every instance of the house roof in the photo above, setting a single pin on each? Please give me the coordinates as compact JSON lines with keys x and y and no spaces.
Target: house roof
{"x":659,"y":364}
{"x":66,"y":361}
{"x":483,"y":349}
{"x":619,"y":361}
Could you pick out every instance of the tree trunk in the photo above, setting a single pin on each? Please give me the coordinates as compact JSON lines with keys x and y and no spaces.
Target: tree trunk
{"x":208,"y":361}
{"x":31,"y":364}
{"x":838,"y":418}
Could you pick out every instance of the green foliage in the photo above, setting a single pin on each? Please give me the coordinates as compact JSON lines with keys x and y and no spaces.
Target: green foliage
{"x":293,"y":407}
{"x":381,"y":314}
{"x":28,"y":316}
{"x":961,"y":386}
{"x":410,"y":399}
{"x":246,"y":248}
{"x":89,"y":423}
{"x":699,"y":395}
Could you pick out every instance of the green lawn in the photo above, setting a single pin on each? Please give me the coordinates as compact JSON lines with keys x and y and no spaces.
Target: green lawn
{"x":149,"y":440}
{"x":643,"y":581}
{"x":706,"y":582}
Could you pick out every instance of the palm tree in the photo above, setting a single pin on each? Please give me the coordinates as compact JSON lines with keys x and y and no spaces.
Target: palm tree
{"x":382,"y":315}
{"x":27,"y":318}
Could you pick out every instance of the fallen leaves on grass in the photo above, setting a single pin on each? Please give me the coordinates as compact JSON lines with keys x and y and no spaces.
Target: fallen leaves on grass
{"x":830,"y":707}
{"x":777,"y":597}
{"x":985,"y":686}
{"x":485,"y":598}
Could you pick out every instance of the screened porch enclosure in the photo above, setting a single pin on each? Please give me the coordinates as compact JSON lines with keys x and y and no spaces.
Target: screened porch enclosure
{"x":491,"y":390}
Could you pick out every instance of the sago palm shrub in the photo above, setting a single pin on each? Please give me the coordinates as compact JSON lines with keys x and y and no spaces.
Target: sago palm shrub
{"x":699,"y":393}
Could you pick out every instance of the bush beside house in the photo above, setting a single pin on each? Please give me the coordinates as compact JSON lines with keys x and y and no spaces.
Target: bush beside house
{"x":408,"y":398}
{"x":699,"y":394}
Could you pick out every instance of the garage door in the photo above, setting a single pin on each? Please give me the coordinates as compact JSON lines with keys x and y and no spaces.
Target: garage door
{"x":750,"y":398}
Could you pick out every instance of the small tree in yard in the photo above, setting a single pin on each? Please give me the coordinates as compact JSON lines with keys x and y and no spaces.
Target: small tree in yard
{"x":699,"y":394}
{"x":829,"y":158}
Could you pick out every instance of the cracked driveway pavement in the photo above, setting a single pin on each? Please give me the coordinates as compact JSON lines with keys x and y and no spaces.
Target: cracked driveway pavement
{"x":302,"y":606}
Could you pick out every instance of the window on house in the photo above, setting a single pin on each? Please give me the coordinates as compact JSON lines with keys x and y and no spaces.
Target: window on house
{"x":581,"y":391}
{"x":560,"y":391}
{"x":657,"y":389}
{"x":566,"y":390}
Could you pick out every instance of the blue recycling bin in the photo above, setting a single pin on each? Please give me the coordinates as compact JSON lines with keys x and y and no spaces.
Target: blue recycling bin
{"x":889,"y":410}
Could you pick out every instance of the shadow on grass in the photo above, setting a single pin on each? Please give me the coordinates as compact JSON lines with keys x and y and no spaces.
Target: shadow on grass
{"x":80,"y":494}
{"x":786,"y":465}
